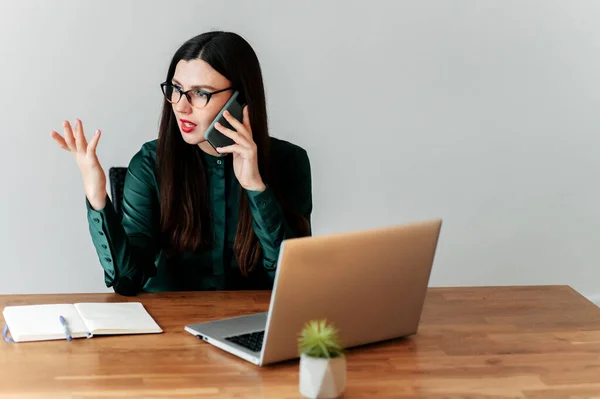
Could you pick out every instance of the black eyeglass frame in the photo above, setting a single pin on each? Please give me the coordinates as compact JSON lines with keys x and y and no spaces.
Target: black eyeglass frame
{"x":182,"y":93}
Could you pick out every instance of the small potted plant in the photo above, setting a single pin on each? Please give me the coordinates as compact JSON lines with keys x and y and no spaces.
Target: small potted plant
{"x":322,"y":361}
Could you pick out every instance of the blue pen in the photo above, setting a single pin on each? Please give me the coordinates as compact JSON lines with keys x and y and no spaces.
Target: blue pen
{"x":64,"y":324}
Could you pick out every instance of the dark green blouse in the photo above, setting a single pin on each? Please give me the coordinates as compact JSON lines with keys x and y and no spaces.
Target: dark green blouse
{"x":129,"y":248}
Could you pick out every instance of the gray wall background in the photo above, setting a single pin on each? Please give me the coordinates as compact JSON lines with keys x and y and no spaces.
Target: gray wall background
{"x":481,"y":112}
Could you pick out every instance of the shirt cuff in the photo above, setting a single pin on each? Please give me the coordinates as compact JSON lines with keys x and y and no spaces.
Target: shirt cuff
{"x":99,"y":222}
{"x":265,"y":210}
{"x":268,"y":223}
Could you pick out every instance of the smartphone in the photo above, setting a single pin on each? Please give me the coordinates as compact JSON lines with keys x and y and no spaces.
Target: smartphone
{"x":235,"y":106}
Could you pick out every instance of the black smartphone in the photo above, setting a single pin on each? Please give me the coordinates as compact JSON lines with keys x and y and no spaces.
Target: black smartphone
{"x":235,"y":106}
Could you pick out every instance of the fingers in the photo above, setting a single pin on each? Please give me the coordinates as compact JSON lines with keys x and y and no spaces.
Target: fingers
{"x":74,"y":138}
{"x":91,"y":149}
{"x":246,"y":120}
{"x":80,"y":141}
{"x":237,"y":125}
{"x":59,"y":140}
{"x":233,"y":149}
{"x":69,"y":139}
{"x":233,"y":135}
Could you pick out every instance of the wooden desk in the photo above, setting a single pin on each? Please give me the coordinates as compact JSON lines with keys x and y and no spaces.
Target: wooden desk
{"x":517,"y":342}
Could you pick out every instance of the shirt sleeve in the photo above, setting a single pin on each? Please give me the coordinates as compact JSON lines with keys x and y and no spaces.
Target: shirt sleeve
{"x":127,"y":247}
{"x":269,"y":221}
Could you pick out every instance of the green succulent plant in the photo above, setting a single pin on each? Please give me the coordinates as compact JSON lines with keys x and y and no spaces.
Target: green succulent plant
{"x":320,"y":339}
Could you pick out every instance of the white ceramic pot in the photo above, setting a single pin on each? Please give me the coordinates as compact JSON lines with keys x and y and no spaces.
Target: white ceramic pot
{"x":322,"y":378}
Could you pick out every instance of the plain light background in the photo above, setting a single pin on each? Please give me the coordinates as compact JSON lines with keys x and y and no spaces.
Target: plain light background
{"x":484,"y":113}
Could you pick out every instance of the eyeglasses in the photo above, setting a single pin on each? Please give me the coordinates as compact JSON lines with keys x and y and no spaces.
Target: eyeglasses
{"x":196,"y":98}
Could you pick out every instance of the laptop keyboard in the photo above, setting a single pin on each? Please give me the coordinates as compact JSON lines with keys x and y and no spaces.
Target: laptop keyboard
{"x":252,"y":341}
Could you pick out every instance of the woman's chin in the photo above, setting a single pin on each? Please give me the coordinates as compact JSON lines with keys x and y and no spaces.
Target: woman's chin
{"x":193,"y":138}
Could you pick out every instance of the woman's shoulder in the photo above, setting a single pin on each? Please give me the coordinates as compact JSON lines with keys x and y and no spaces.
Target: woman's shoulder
{"x":143,"y":162}
{"x":283,"y":151}
{"x":146,"y":152}
{"x":149,"y":148}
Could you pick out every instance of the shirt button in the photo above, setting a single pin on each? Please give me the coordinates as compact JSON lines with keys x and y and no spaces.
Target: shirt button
{"x":109,"y":260}
{"x":219,"y":162}
{"x":101,"y":233}
{"x":104,"y":246}
{"x":96,"y":220}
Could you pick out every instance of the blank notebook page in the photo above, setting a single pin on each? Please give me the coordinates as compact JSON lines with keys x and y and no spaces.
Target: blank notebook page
{"x":42,"y":322}
{"x":117,"y":318}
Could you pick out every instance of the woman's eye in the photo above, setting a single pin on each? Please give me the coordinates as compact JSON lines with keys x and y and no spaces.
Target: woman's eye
{"x":198,"y":94}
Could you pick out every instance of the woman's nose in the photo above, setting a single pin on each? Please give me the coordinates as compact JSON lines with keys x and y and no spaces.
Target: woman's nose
{"x":183,"y":106}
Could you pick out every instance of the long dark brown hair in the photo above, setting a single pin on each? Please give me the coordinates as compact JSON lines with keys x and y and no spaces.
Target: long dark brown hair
{"x":186,"y":221}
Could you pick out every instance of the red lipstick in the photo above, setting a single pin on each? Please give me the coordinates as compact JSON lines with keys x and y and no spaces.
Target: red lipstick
{"x":187,"y":126}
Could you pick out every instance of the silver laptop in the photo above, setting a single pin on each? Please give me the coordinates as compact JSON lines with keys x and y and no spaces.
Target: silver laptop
{"x":370,"y":284}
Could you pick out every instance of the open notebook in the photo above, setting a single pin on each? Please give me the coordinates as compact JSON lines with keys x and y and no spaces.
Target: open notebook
{"x":42,"y":322}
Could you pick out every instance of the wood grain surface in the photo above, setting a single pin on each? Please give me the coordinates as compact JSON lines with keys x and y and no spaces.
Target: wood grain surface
{"x":483,"y":342}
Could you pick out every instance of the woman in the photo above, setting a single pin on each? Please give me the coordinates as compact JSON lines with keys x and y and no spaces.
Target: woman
{"x":195,"y":217}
